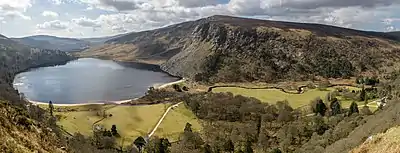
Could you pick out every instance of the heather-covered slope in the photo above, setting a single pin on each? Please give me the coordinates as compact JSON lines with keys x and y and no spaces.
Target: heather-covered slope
{"x":231,"y":49}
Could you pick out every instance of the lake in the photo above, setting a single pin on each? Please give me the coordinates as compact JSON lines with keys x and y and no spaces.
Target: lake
{"x":89,"y":80}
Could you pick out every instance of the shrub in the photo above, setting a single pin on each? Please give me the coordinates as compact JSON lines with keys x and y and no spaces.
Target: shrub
{"x":366,"y":111}
{"x":353,"y":108}
{"x":177,"y":88}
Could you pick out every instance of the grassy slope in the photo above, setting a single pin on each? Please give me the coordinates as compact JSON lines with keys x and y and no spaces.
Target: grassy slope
{"x":17,"y":138}
{"x":383,"y":142}
{"x":274,"y":95}
{"x":175,"y":122}
{"x":131,"y":121}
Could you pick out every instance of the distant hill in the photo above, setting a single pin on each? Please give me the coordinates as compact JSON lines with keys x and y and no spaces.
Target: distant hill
{"x":62,"y":44}
{"x":395,"y":33}
{"x":54,"y":43}
{"x":1,"y":36}
{"x":16,"y":57}
{"x":100,"y":40}
{"x":232,"y":49}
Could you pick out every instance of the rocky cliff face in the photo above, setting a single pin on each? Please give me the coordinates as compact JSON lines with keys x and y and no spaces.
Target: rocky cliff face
{"x":229,"y":49}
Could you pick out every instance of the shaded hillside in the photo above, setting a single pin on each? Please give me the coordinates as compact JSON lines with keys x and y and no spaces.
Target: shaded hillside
{"x":396,"y":34}
{"x":22,"y":134}
{"x":24,"y":127}
{"x":231,"y":49}
{"x":15,"y":57}
{"x":54,"y":43}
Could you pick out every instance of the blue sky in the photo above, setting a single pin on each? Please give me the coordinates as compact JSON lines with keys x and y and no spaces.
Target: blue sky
{"x":95,"y":18}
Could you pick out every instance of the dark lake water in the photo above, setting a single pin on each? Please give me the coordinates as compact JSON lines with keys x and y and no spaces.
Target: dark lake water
{"x":89,"y":80}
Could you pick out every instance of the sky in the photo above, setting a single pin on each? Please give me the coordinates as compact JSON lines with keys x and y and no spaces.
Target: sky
{"x":97,"y":18}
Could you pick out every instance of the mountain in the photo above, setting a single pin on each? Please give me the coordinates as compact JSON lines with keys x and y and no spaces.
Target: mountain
{"x":232,"y":49}
{"x":54,"y":43}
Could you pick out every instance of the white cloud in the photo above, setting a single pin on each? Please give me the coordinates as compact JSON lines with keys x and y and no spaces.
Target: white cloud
{"x":10,"y":9}
{"x":390,"y":28}
{"x":57,"y":2}
{"x":119,"y":29}
{"x":350,"y":16}
{"x":49,"y":14}
{"x":196,"y":3}
{"x":12,"y":5}
{"x":14,"y":14}
{"x":246,"y":7}
{"x":149,"y":14}
{"x":108,"y":17}
{"x":53,"y":25}
{"x":389,"y":21}
{"x":85,"y":22}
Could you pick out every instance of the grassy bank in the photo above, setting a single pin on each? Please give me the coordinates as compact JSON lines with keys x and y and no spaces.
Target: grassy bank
{"x":274,"y":95}
{"x":131,"y":121}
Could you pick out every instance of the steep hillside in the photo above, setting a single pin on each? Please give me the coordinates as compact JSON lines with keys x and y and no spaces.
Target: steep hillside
{"x":21,"y":134}
{"x":54,"y":43}
{"x":231,"y":49}
{"x":24,"y":128}
{"x":383,"y":142}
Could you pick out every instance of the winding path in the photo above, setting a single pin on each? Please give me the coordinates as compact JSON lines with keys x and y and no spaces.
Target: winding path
{"x":162,"y":118}
{"x":171,"y":83}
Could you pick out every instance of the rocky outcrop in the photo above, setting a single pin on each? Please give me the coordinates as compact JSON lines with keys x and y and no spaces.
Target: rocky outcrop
{"x":230,"y":49}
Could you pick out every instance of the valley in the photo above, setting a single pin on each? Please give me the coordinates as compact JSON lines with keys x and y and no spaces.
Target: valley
{"x":246,"y":85}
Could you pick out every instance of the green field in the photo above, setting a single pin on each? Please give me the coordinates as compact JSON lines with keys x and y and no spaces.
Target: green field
{"x":274,"y":95}
{"x":175,"y":122}
{"x":131,"y":121}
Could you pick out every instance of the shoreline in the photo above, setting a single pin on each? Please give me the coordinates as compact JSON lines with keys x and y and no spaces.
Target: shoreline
{"x":150,"y":67}
{"x":169,"y":84}
{"x":82,"y":104}
{"x":119,"y":102}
